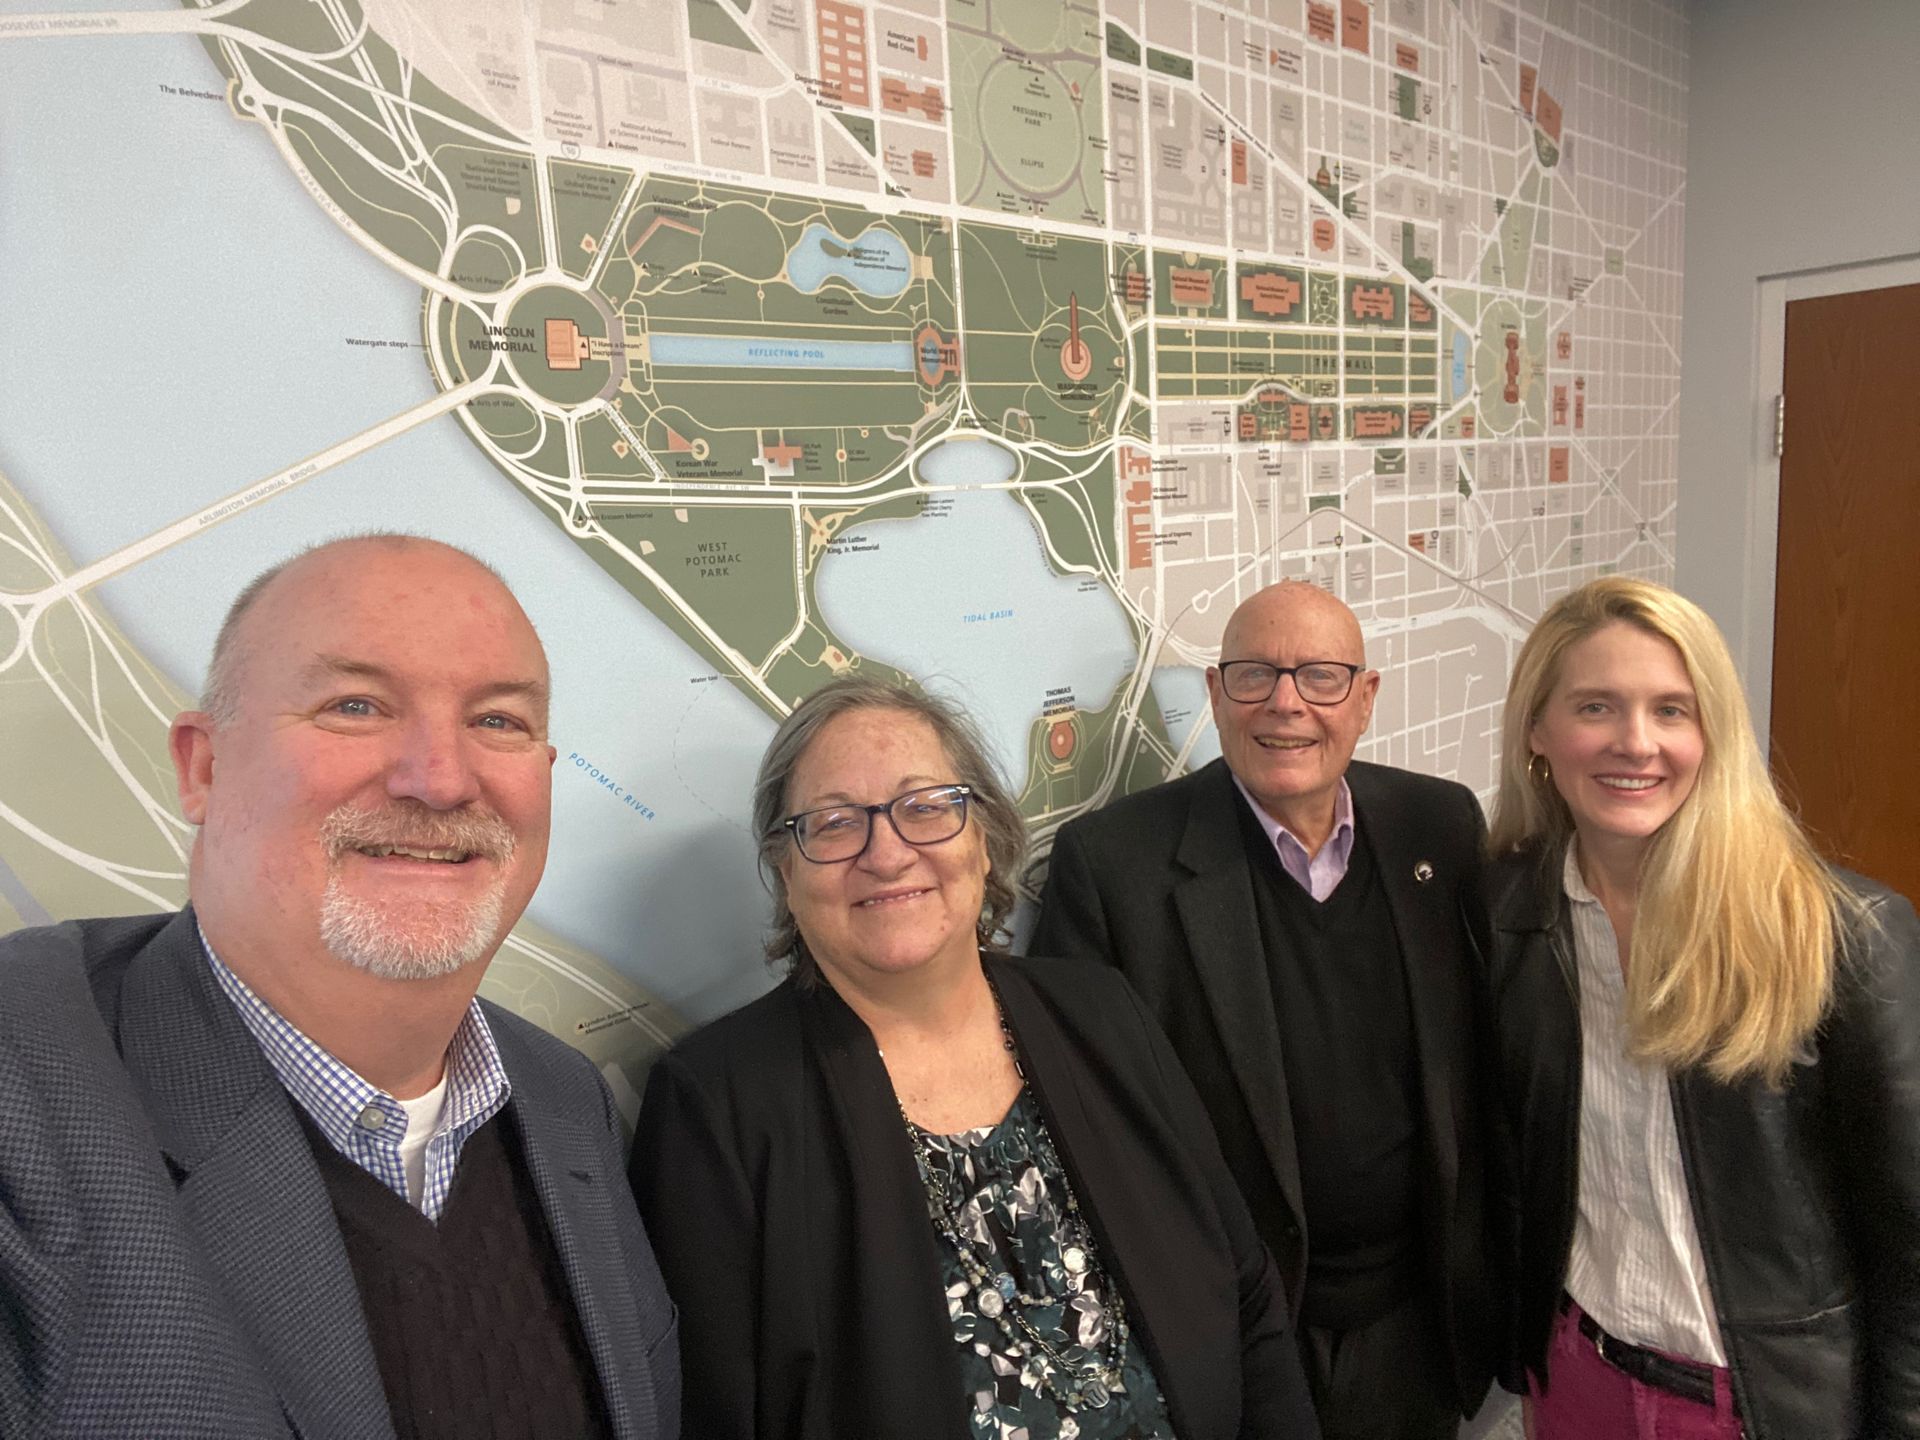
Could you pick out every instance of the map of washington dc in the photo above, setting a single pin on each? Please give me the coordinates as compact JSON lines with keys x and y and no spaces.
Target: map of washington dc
{"x":1003,"y":345}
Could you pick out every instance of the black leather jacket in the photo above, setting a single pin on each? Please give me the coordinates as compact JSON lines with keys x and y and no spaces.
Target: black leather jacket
{"x":1807,"y":1199}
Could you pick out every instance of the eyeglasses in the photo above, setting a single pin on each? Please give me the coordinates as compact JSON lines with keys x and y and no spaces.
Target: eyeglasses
{"x":1318,"y":682}
{"x":843,"y":832}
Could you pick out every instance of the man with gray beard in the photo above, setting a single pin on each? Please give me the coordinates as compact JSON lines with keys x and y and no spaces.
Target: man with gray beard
{"x":269,"y":1166}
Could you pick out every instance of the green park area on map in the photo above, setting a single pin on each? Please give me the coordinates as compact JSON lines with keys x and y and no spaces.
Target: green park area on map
{"x":708,"y":385}
{"x":1151,"y":312}
{"x":1027,"y":129}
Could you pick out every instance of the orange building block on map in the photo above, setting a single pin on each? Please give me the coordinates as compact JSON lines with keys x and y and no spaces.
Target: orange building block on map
{"x":1356,"y":25}
{"x":899,"y":98}
{"x":1136,"y":472}
{"x":1376,"y":424}
{"x":1547,"y":114}
{"x":1372,"y":302}
{"x":566,"y":346}
{"x":1270,"y":293}
{"x":841,"y":31}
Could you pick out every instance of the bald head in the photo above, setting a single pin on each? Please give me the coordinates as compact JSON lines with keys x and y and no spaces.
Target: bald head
{"x":1290,"y":753}
{"x":304,"y":578}
{"x":372,"y":778}
{"x":1289,"y":606}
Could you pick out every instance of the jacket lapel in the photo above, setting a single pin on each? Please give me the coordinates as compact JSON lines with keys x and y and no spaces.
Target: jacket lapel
{"x":1222,"y":929}
{"x":891,"y":1251}
{"x":1129,"y":1212}
{"x":569,"y":1175}
{"x":1426,"y":918}
{"x":250,"y":1189}
{"x":1524,"y":896}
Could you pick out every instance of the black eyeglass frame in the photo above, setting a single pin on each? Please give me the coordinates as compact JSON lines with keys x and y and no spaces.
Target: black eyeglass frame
{"x":1280,"y":671}
{"x":792,"y":823}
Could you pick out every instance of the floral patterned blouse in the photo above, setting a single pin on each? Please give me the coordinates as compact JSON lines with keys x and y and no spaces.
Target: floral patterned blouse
{"x":1016,"y":1201}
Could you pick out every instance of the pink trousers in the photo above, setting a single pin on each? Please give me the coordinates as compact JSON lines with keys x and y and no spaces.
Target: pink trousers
{"x":1588,"y":1399}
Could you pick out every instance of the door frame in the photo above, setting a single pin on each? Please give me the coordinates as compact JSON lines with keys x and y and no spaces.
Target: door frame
{"x":1757,"y":592}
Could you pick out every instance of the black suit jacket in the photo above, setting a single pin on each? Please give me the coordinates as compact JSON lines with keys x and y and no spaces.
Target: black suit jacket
{"x":170,"y":1265}
{"x":780,"y":1190}
{"x":1159,"y":884}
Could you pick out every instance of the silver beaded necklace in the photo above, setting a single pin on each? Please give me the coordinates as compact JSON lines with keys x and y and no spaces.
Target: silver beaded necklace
{"x":1088,"y":1384}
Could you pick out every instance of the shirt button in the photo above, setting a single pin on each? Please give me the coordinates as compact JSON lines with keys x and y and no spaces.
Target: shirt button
{"x":372,"y":1118}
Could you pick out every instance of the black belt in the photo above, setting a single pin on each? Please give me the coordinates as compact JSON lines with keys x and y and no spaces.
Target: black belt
{"x":1677,"y":1377}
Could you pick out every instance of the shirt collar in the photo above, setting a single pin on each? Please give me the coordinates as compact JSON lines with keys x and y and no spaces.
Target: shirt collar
{"x":337,"y":1098}
{"x":1339,"y":840}
{"x":1571,"y":880}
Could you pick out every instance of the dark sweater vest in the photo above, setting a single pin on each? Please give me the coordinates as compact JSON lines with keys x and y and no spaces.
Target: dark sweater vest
{"x":472,"y":1321}
{"x":1347,"y":1047}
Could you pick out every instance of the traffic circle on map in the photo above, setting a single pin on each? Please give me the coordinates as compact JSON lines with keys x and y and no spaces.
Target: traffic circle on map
{"x":560,"y":342}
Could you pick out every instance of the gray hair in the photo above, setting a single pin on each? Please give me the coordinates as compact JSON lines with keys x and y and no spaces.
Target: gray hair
{"x":991,"y":805}
{"x":221,"y":697}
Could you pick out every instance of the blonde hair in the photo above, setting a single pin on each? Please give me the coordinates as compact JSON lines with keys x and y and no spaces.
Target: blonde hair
{"x":1738,"y":922}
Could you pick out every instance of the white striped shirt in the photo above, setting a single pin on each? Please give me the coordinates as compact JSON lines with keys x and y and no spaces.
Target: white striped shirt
{"x":362,"y":1121}
{"x":1637,"y":1266}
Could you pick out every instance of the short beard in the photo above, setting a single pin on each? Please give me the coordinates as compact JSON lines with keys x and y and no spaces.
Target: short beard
{"x":420,"y":940}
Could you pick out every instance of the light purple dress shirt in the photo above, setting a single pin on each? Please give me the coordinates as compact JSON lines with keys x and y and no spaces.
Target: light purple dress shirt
{"x":1319,"y":875}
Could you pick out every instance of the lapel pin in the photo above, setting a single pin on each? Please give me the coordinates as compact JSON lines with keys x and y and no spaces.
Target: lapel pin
{"x":1422,"y":871}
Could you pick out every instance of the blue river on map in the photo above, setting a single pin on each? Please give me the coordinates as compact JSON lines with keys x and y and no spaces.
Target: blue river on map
{"x":963,"y":599}
{"x":772,"y":353}
{"x":968,"y":460}
{"x":190,"y":309}
{"x":877,"y":264}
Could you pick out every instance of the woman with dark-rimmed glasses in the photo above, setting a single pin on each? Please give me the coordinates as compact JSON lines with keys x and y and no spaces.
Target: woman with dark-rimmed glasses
{"x":927,"y":1191}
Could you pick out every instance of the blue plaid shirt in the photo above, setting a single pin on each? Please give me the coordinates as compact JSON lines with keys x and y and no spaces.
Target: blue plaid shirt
{"x":362,"y":1121}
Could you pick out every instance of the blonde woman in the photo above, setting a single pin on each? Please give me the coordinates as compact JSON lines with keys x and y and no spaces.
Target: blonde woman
{"x":1710,"y":1050}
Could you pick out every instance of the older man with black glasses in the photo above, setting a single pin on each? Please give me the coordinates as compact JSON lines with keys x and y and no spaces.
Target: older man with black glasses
{"x":1302,"y":925}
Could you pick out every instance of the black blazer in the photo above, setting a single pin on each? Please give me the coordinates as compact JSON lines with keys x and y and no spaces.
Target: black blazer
{"x":780,"y":1190}
{"x":1806,"y":1198}
{"x":1159,"y":884}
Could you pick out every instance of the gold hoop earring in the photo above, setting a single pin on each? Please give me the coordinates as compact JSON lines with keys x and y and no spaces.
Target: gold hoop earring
{"x":1538,"y":770}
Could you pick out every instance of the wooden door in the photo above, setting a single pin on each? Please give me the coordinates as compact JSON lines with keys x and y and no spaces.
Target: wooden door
{"x":1846,"y":621}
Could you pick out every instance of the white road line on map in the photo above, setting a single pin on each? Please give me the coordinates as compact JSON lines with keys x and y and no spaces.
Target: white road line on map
{"x":93,"y":864}
{"x":113,"y":22}
{"x":637,"y":1017}
{"x":186,"y":528}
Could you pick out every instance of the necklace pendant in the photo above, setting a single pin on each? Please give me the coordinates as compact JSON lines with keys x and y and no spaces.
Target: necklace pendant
{"x":991,"y":1303}
{"x":1075,"y":1259}
{"x":1094,"y":1393}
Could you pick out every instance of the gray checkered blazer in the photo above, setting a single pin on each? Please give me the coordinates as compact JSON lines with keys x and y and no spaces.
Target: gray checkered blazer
{"x":169,"y":1261}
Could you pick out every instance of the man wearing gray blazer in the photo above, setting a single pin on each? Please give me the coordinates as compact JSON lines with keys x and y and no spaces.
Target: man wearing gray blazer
{"x":268,"y":1166}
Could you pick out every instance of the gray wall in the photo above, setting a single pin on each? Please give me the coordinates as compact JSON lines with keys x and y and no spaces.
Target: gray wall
{"x":1803,"y":153}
